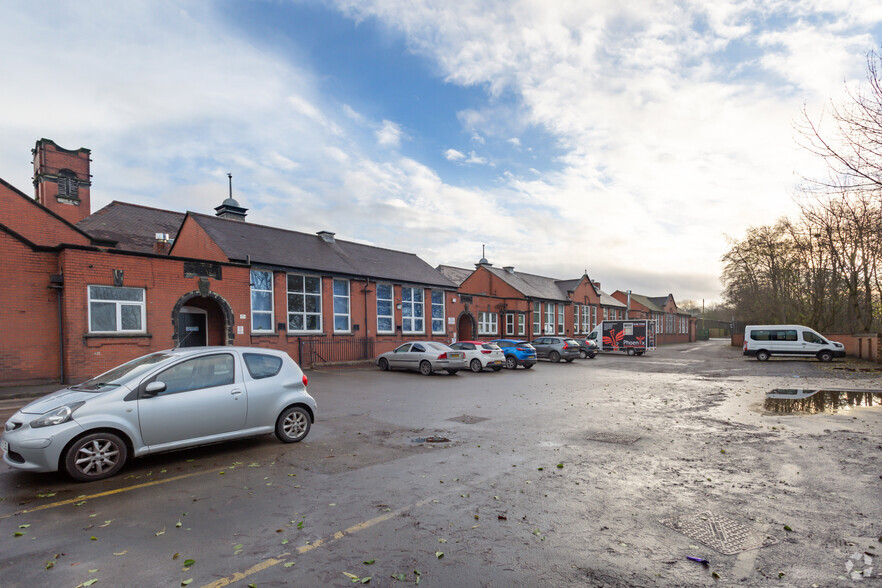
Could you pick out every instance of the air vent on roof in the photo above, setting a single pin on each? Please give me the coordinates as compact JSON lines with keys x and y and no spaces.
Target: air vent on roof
{"x":327,"y":236}
{"x":509,"y":269}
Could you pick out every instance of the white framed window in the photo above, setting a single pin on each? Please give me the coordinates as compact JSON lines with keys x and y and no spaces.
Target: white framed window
{"x":117,"y":310}
{"x":537,"y":320}
{"x":438,"y":311}
{"x":412,"y":310}
{"x":304,"y":303}
{"x":561,"y":328}
{"x":585,"y":318}
{"x":341,"y":306}
{"x":522,"y":324}
{"x":549,"y":319}
{"x":385,"y":306}
{"x":605,"y":314}
{"x":487,"y":323}
{"x":593,"y":316}
{"x":510,"y":323}
{"x":261,"y":301}
{"x":576,"y":311}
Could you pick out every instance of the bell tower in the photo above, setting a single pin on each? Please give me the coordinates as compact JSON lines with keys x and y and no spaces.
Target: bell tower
{"x":62,"y":180}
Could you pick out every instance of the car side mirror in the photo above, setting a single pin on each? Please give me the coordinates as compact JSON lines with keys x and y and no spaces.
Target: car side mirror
{"x":154,"y":388}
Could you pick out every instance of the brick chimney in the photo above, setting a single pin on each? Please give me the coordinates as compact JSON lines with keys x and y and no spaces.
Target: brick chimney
{"x":62,"y":180}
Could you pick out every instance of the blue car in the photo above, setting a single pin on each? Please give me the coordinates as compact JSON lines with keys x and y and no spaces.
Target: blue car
{"x":517,"y":353}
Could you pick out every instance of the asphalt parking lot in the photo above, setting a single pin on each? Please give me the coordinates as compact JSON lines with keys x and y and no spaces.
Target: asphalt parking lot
{"x":604,"y":472}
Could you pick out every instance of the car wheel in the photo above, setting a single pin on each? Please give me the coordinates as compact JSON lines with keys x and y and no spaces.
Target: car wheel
{"x":95,"y":457}
{"x":475,"y":365}
{"x":452,"y":372}
{"x":383,"y":363}
{"x":511,"y":362}
{"x":293,"y":424}
{"x":554,"y":356}
{"x":528,"y":366}
{"x":592,"y":355}
{"x":763,"y":355}
{"x":497,"y":368}
{"x":425,"y":368}
{"x":631,"y":352}
{"x":825,"y":356}
{"x":583,"y":354}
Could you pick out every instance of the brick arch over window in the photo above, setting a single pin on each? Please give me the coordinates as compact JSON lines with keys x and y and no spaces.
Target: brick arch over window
{"x":466,"y":326}
{"x":221,"y":303}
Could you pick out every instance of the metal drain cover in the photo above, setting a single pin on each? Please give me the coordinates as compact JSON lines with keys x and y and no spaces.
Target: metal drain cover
{"x":468,"y":419}
{"x":719,"y":532}
{"x":606,"y":437}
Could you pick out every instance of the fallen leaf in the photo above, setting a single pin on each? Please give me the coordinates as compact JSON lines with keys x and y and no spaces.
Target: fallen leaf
{"x":158,"y":533}
{"x":90,"y":582}
{"x":176,"y":556}
{"x":23,"y":526}
{"x":399,"y":577}
{"x":439,"y":554}
{"x":290,"y":564}
{"x":366,"y":580}
{"x":186,"y":582}
{"x":350,"y":576}
{"x":121,"y":553}
{"x":369,"y":562}
{"x":786,"y":528}
{"x":50,"y":564}
{"x":189,"y":562}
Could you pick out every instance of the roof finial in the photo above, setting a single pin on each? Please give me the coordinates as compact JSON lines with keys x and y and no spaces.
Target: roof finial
{"x":229,"y":175}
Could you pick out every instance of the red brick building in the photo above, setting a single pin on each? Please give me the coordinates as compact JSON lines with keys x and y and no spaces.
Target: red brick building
{"x":84,"y":292}
{"x":673,"y":326}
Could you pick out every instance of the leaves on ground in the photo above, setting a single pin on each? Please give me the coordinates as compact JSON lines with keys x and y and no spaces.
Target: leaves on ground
{"x":368,"y":562}
{"x":439,"y":554}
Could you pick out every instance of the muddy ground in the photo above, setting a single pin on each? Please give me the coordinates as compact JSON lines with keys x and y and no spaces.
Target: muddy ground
{"x":604,"y":472}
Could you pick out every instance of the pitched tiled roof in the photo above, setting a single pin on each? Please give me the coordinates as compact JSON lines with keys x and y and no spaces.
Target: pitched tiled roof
{"x":647,"y":302}
{"x":607,"y":300}
{"x":659,"y":301}
{"x":530,"y":285}
{"x":568,"y":285}
{"x":133,"y":227}
{"x":273,"y":246}
{"x":457,"y":275}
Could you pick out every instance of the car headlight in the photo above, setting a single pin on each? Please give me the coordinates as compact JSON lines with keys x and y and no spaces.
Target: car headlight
{"x":60,"y":415}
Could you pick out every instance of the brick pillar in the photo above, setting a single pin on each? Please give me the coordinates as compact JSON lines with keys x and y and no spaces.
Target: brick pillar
{"x":62,"y":180}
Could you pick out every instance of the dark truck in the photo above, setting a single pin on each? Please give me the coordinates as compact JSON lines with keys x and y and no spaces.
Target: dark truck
{"x":635,"y":337}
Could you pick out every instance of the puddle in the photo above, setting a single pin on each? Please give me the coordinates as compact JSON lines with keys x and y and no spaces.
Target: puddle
{"x":799,"y":400}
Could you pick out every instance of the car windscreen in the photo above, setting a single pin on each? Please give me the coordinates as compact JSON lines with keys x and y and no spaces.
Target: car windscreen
{"x":124,"y":373}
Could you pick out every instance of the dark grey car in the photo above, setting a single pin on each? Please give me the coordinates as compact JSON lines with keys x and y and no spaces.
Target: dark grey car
{"x":556,"y":348}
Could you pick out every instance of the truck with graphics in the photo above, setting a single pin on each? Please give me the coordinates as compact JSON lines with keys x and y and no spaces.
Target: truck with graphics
{"x":634,"y":337}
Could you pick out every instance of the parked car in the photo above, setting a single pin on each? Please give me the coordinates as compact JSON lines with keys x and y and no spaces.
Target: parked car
{"x":556,"y":348}
{"x":480,"y":355}
{"x":587,"y":348}
{"x":425,"y":357}
{"x":764,"y":341}
{"x":517,"y":353}
{"x":160,"y":402}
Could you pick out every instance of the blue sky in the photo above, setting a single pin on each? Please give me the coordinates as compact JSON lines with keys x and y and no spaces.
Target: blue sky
{"x":626,"y":140}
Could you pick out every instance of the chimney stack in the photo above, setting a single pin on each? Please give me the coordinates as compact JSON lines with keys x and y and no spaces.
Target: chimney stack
{"x":162,"y":244}
{"x":62,"y":180}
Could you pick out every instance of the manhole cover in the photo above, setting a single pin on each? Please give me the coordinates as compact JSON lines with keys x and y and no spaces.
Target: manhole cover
{"x":718,"y":532}
{"x":606,"y":437}
{"x":432,"y":439}
{"x":468,"y":419}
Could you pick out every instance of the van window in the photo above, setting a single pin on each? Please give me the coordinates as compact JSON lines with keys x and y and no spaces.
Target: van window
{"x":774,"y":335}
{"x":812,"y":337}
{"x":760,"y":335}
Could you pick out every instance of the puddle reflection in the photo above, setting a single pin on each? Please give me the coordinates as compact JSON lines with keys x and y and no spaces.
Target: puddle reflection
{"x":797,"y":400}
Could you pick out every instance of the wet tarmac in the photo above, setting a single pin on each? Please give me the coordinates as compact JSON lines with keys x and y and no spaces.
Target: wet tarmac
{"x":798,"y":400}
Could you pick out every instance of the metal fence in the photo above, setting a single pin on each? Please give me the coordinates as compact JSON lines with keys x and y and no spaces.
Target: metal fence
{"x":312,"y":352}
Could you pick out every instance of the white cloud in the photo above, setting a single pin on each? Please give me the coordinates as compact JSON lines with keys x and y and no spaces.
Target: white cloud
{"x":515,"y":141}
{"x":389,"y":135}
{"x":454,"y":155}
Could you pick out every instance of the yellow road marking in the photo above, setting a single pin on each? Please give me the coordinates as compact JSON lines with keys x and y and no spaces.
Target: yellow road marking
{"x":273,"y":561}
{"x":108,"y":493}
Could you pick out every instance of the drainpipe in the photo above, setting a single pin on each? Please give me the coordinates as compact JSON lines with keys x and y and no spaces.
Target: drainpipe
{"x":56,"y":282}
{"x":628,"y":308}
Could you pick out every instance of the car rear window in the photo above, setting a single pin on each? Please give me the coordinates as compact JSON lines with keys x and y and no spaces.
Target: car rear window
{"x":571,"y":342}
{"x":262,"y":366}
{"x":490,"y":346}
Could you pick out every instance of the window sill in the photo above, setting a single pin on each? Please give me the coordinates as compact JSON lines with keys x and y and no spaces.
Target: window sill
{"x":264,"y":334}
{"x":306,"y":334}
{"x":116,"y":335}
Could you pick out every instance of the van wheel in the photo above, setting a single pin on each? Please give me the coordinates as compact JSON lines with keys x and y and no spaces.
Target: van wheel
{"x":763,"y":355}
{"x":630,"y":352}
{"x":825,"y":356}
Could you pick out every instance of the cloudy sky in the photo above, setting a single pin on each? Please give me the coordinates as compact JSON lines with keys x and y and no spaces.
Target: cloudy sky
{"x":566,"y":136}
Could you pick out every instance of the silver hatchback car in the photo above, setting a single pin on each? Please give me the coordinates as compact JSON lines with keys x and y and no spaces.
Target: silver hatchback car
{"x":160,"y":402}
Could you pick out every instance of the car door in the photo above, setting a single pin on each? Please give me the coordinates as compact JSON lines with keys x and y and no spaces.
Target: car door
{"x":541,"y":346}
{"x":812,"y":343}
{"x":204,"y":396}
{"x":416,"y":354}
{"x":398,"y":358}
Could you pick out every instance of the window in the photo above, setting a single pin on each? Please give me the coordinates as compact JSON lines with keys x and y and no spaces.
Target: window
{"x":304,"y":303}
{"x":261,"y":301}
{"x":509,"y":324}
{"x":593,"y":317}
{"x":68,"y":186}
{"x":605,"y":314}
{"x":487,"y":324}
{"x":341,"y":306}
{"x":412,"y":310}
{"x":438,"y":311}
{"x":537,"y":319}
{"x":262,"y":366}
{"x":384,"y":308}
{"x":198,"y":373}
{"x":116,"y":310}
{"x":576,"y":311}
{"x":812,"y":337}
{"x":549,"y":319}
{"x":560,"y":319}
{"x":522,"y":324}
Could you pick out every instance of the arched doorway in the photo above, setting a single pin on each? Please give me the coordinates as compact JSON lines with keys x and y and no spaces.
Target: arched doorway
{"x":202,"y":320}
{"x":465,"y":327}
